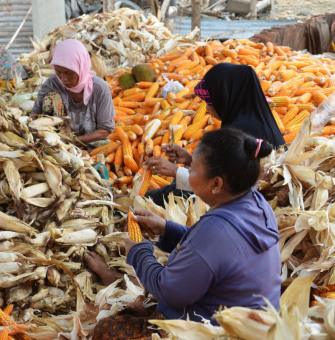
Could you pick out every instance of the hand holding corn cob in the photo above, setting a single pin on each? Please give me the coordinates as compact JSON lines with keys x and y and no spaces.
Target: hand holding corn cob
{"x":153,"y":223}
{"x":177,"y":153}
{"x":161,"y":166}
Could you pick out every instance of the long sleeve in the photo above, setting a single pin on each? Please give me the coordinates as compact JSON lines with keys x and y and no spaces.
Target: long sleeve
{"x":173,"y":234}
{"x":181,"y":283}
{"x":182,"y":179}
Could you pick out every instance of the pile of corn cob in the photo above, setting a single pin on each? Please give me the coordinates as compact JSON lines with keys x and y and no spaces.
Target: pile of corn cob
{"x":296,"y":83}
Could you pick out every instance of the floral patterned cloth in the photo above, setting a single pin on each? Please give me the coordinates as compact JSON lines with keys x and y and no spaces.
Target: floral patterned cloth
{"x":9,"y":67}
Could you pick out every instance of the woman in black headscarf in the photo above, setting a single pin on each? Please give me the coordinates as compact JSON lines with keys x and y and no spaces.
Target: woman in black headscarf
{"x":234,"y":95}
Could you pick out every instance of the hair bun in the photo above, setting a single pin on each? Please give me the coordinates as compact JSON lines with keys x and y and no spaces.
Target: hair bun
{"x":257,"y":148}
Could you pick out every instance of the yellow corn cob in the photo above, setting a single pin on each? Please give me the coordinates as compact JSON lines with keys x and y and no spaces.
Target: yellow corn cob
{"x":248,"y":60}
{"x":319,"y":97}
{"x":176,"y":118}
{"x":165,"y":104}
{"x":292,"y":112}
{"x":182,"y":92}
{"x":145,"y":181}
{"x":198,"y":125}
{"x":140,"y":149}
{"x":275,"y":88}
{"x":329,"y":90}
{"x":149,"y":147}
{"x":298,"y":118}
{"x":298,"y":64}
{"x":150,"y":129}
{"x":4,"y":334}
{"x":152,"y":91}
{"x":118,"y":160}
{"x":286,"y":75}
{"x":156,"y":151}
{"x":153,"y":185}
{"x":126,"y":147}
{"x":260,"y":67}
{"x":290,"y":137}
{"x":200,"y":112}
{"x":281,"y":101}
{"x":120,"y":133}
{"x":191,"y":84}
{"x":273,"y":65}
{"x":130,"y":92}
{"x":308,"y":84}
{"x":166,"y":137}
{"x":296,"y":81}
{"x":6,"y":320}
{"x":183,"y":105}
{"x":198,"y":134}
{"x":178,"y":134}
{"x":131,"y":135}
{"x":134,"y":229}
{"x":171,"y":98}
{"x":127,"y":171}
{"x":164,"y":114}
{"x":265,"y":84}
{"x":137,"y":129}
{"x":328,"y":130}
{"x":125,"y":179}
{"x":8,"y":309}
{"x":129,"y":161}
{"x":160,"y":181}
{"x":294,"y":128}
{"x":308,"y":107}
{"x":304,"y":98}
{"x":278,"y":121}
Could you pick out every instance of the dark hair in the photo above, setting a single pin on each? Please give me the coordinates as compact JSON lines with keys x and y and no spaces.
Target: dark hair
{"x":231,"y":152}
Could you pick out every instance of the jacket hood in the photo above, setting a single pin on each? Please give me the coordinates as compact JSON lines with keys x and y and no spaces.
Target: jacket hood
{"x":253,"y":218}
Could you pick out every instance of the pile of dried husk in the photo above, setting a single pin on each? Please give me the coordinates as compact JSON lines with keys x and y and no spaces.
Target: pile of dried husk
{"x":53,"y":206}
{"x":118,"y":39}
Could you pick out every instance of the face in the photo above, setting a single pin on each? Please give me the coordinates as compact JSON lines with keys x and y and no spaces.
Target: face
{"x":212,"y":112}
{"x":201,"y":185}
{"x":68,"y":77}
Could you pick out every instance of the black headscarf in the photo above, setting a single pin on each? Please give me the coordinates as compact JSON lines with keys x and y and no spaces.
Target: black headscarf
{"x":237,"y":97}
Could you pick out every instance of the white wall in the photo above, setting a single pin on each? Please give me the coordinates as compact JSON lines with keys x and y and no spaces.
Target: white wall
{"x":47,"y":15}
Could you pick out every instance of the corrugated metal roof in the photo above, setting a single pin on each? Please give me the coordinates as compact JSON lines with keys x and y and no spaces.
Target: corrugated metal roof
{"x":224,"y":29}
{"x":12,"y":12}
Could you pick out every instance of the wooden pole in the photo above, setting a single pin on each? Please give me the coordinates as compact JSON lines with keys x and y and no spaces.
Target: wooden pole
{"x":253,"y":10}
{"x":108,"y":5}
{"x":196,"y":16}
{"x":19,"y":29}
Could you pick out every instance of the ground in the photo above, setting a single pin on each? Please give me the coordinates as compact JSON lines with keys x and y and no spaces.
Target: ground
{"x":293,"y":9}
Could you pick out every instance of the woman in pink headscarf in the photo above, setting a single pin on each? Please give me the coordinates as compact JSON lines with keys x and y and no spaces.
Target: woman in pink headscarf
{"x":76,"y":91}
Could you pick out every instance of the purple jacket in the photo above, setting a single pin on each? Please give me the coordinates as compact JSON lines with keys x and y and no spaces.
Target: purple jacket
{"x":228,"y":258}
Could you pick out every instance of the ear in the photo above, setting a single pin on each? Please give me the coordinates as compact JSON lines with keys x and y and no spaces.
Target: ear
{"x":218,"y":184}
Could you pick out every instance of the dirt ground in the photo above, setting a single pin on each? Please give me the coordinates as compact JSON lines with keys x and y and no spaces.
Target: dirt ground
{"x":301,"y":9}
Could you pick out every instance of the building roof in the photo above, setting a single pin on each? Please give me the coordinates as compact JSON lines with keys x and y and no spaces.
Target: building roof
{"x":224,"y":29}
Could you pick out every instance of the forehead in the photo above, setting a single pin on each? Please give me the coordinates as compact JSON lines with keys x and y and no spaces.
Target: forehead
{"x":62,"y":69}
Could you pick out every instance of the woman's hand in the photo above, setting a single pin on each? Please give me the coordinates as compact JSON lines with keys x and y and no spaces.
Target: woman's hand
{"x":161,"y":166}
{"x":177,"y":154}
{"x":128,"y":243}
{"x":153,"y":222}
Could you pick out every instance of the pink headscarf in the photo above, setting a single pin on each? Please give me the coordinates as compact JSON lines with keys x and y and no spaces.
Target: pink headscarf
{"x":72,"y":54}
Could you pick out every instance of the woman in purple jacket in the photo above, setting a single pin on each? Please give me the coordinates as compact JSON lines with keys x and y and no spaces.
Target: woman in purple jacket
{"x":231,"y":256}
